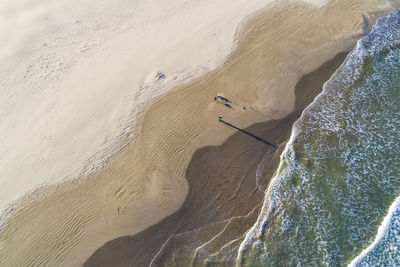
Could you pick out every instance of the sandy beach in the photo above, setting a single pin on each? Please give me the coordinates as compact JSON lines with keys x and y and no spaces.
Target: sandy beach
{"x":178,"y":159}
{"x":75,"y":75}
{"x":223,"y":185}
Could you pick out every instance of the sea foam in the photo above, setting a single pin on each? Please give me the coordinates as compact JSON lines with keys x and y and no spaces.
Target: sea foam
{"x":385,"y":250}
{"x":339,"y":172}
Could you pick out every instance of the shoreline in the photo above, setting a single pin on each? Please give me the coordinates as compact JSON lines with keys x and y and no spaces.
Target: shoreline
{"x":296,"y":166}
{"x":210,"y":204}
{"x":147,"y":181}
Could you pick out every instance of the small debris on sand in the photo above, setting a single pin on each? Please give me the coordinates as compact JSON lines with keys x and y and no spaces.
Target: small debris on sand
{"x":160,"y":75}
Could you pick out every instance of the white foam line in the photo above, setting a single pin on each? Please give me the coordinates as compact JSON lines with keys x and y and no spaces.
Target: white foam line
{"x":348,"y":66}
{"x":380,"y":234}
{"x":269,"y":194}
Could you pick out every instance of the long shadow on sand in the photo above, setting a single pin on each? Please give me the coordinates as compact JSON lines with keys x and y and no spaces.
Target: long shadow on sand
{"x":222,"y":181}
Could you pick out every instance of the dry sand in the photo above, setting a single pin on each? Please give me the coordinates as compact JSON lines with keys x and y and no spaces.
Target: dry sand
{"x":64,"y":224}
{"x":74,"y":75}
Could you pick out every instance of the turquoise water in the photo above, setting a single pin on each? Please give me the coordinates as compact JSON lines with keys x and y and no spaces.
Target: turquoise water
{"x":334,"y":200}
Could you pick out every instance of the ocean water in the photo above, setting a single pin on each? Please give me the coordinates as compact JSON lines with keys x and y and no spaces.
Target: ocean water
{"x":335,"y":199}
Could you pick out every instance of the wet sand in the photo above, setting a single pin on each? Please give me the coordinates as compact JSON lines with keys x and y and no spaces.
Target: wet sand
{"x":149,"y":180}
{"x":223,"y":184}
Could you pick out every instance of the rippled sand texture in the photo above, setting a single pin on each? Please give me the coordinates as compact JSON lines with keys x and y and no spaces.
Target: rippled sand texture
{"x":74,"y":74}
{"x":66,"y":223}
{"x":227,"y":183}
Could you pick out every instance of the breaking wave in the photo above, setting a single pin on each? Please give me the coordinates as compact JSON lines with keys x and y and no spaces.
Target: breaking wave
{"x":335,"y":197}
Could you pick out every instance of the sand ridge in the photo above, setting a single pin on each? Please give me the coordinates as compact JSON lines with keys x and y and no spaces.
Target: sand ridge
{"x":75,"y":73}
{"x":146,"y":181}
